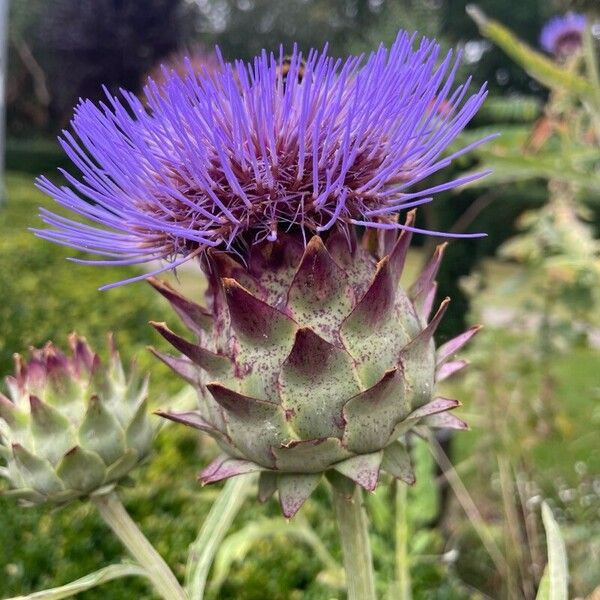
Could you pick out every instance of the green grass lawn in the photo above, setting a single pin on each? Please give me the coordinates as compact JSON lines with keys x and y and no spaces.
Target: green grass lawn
{"x":43,"y":296}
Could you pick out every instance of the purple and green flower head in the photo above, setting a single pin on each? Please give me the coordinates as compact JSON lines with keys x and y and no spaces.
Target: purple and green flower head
{"x":240,"y":155}
{"x":562,"y":36}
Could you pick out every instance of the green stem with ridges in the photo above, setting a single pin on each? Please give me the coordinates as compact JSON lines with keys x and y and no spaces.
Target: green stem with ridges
{"x":402,"y":534}
{"x":356,"y":547}
{"x":117,"y":518}
{"x":214,"y":529}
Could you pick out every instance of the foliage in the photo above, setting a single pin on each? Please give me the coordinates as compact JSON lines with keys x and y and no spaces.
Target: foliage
{"x":533,"y":396}
{"x":43,"y":296}
{"x":532,"y":387}
{"x":526,"y":18}
{"x":48,"y":297}
{"x":555,"y":581}
{"x":75,"y":48}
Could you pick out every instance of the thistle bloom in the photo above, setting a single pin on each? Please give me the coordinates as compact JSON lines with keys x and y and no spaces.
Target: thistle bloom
{"x":230,"y":158}
{"x":562,"y":36}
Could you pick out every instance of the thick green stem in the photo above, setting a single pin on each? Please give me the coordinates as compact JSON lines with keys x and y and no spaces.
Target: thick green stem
{"x":402,"y":533}
{"x":214,"y":529}
{"x":123,"y":526}
{"x":356,"y":547}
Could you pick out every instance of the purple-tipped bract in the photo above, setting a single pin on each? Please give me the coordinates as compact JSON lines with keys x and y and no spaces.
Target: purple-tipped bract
{"x":240,"y":155}
{"x":563,"y":35}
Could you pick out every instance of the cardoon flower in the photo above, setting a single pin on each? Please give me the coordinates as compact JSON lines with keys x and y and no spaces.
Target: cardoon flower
{"x":562,"y":36}
{"x":310,"y":358}
{"x":73,"y":425}
{"x":232,"y":158}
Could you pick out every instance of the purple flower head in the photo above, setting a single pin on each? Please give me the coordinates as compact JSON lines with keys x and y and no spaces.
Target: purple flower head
{"x":563,"y":36}
{"x":236,"y":156}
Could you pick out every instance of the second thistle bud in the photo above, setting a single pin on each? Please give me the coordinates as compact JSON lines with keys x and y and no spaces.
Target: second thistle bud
{"x":72,"y":425}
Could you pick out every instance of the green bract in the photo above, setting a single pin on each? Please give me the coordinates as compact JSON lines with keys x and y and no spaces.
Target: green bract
{"x":313,"y":358}
{"x":72,"y":425}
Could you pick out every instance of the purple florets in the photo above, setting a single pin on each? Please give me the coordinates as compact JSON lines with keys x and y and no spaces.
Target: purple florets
{"x":245,"y":152}
{"x":563,"y":36}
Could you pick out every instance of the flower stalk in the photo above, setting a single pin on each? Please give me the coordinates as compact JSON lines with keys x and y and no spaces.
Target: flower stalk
{"x":215,"y":527}
{"x":116,"y":517}
{"x":403,"y":582}
{"x":356,"y":547}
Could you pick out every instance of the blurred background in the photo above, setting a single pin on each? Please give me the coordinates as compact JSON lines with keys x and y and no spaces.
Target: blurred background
{"x":532,"y":392}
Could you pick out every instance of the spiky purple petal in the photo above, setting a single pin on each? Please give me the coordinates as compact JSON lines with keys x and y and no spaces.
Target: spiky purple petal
{"x":238,"y":155}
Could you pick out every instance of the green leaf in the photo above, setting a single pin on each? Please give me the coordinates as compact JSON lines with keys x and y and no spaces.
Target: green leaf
{"x":236,"y":547}
{"x":536,"y":64}
{"x":519,"y":167}
{"x":555,"y":582}
{"x":544,"y":587}
{"x":215,"y":526}
{"x":88,"y":582}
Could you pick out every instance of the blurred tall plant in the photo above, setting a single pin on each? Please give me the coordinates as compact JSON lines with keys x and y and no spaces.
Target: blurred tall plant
{"x":547,"y":303}
{"x":557,"y":283}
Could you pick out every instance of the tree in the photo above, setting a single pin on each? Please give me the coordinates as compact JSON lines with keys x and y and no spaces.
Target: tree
{"x":87,"y":43}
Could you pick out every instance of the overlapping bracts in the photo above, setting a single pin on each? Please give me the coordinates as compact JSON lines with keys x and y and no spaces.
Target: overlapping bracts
{"x":313,"y":360}
{"x":72,"y":425}
{"x":239,"y":155}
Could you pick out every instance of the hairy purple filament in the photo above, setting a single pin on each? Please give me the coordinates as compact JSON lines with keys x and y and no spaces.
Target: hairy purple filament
{"x":240,"y":152}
